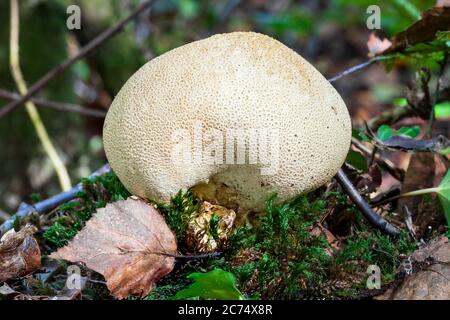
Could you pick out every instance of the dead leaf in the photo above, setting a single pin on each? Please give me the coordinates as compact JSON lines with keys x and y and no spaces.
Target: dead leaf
{"x":433,"y":20}
{"x":199,"y":234}
{"x":334,"y":242}
{"x":430,"y":281}
{"x":443,"y":3}
{"x":420,"y":175}
{"x":129,"y":243}
{"x":376,"y":45}
{"x":19,"y":253}
{"x":369,"y":181}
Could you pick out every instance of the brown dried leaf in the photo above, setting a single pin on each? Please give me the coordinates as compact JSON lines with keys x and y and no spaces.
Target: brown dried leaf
{"x":199,"y":236}
{"x":443,"y":3}
{"x":376,"y":45}
{"x":19,"y":253}
{"x":424,"y":30}
{"x":129,"y":243}
{"x":370,"y":181}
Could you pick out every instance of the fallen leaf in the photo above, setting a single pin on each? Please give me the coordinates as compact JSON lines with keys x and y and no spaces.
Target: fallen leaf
{"x":433,"y":20}
{"x":420,"y":175}
{"x":376,"y":45}
{"x":6,"y":290}
{"x":334,"y":242}
{"x":202,"y":235}
{"x":443,"y":3}
{"x":431,"y":280}
{"x":369,"y":181}
{"x":129,"y":243}
{"x":19,"y":253}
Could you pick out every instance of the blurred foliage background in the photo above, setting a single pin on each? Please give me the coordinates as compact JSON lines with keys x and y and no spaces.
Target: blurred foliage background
{"x":331,"y":34}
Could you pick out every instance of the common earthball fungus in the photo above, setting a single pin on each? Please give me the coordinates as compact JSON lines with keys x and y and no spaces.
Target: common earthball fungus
{"x":235,"y":117}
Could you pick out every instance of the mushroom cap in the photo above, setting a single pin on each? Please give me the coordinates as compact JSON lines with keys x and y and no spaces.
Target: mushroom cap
{"x":237,"y":116}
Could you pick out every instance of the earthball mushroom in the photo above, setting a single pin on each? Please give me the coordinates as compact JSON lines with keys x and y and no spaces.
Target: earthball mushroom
{"x":234,"y":117}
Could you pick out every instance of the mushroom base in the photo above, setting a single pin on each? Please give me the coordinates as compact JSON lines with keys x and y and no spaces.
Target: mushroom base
{"x":240,"y":189}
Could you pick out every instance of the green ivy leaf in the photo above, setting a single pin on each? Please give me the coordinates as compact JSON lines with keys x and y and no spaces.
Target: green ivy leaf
{"x":217,"y":284}
{"x":442,"y":110}
{"x":356,"y":160}
{"x":400,"y":102}
{"x":385,"y":132}
{"x":411,"y":132}
{"x":445,"y":151}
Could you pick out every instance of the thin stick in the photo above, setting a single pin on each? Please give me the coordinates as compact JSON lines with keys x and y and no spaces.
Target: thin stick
{"x":95,"y":43}
{"x":198,"y":257}
{"x":376,"y":220}
{"x":357,"y":68}
{"x":60,"y":106}
{"x":409,"y":194}
{"x":58,"y":165}
{"x":50,"y":203}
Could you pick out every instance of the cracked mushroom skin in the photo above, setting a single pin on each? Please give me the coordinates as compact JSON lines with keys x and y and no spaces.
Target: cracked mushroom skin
{"x":235,"y":117}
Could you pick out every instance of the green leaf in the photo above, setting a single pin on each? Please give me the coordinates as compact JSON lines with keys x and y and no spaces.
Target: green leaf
{"x":443,"y":192}
{"x":400,"y":102}
{"x":442,"y":110}
{"x":81,"y":70}
{"x":356,"y":160}
{"x":411,"y":132}
{"x":188,"y":8}
{"x":217,"y":284}
{"x":445,"y":151}
{"x":385,"y":132}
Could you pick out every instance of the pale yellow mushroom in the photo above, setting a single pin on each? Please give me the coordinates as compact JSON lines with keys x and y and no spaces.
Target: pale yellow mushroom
{"x":237,"y":116}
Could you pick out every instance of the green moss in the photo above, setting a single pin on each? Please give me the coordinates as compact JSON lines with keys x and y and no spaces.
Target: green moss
{"x":178,"y":213}
{"x":72,"y":216}
{"x":375,"y":248}
{"x":286,"y":260}
{"x":291,"y":258}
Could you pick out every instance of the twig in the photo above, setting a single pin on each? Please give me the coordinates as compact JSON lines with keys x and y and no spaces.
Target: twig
{"x":60,"y":106}
{"x":376,"y":220}
{"x":357,"y":68}
{"x":95,"y":43}
{"x":198,"y":257}
{"x":50,"y":203}
{"x":415,"y":193}
{"x":41,"y":131}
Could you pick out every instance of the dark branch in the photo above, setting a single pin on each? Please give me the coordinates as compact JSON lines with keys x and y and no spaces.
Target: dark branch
{"x":94,"y":44}
{"x":376,"y":220}
{"x":60,"y":106}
